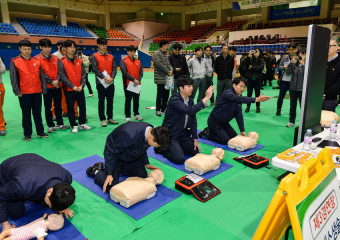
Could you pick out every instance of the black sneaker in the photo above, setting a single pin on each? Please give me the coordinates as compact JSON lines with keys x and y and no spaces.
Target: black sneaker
{"x":258,"y":110}
{"x":158,"y":150}
{"x":28,"y":138}
{"x":90,"y":172}
{"x":43,"y":135}
{"x":204,"y":133}
{"x":247,"y":109}
{"x":278,"y":113}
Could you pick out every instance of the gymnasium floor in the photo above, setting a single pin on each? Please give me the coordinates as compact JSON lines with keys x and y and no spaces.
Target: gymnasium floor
{"x":234,"y":214}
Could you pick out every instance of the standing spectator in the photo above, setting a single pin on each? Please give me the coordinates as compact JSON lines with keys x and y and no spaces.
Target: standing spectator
{"x":86,"y":63}
{"x":26,"y":82}
{"x":297,"y":69}
{"x":243,"y":67}
{"x":179,"y":64}
{"x":254,"y":76}
{"x":49,"y":67}
{"x":198,"y":69}
{"x":73,"y":75}
{"x":278,"y":64}
{"x":101,"y":62}
{"x":2,"y":97}
{"x":224,"y":67}
{"x":132,"y":71}
{"x":285,"y":77}
{"x":332,"y":84}
{"x":210,"y":59}
{"x":162,"y":69}
{"x":270,"y":66}
{"x":61,"y":50}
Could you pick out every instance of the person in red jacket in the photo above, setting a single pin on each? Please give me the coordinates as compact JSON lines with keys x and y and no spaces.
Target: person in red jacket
{"x":72,"y":74}
{"x":27,"y":84}
{"x":49,"y":67}
{"x":103,"y":62}
{"x":132,"y":71}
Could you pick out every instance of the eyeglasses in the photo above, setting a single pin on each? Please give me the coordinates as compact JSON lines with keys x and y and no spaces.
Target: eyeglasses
{"x":332,"y":46}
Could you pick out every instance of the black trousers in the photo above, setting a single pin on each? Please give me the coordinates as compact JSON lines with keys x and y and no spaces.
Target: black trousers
{"x":71,"y":97}
{"x":183,"y":144}
{"x":268,"y":77}
{"x":162,"y":98}
{"x":294,"y":97}
{"x":209,"y":82}
{"x":130,"y":169}
{"x":223,"y":85}
{"x":53,"y":94}
{"x":220,"y":133}
{"x":88,"y":84}
{"x":256,"y":86}
{"x":128,"y":97}
{"x":284,"y":88}
{"x":31,"y":103}
{"x":107,"y":93}
{"x":329,"y":105}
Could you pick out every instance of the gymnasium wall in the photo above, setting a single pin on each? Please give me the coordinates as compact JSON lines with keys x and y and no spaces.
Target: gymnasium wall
{"x":146,"y":29}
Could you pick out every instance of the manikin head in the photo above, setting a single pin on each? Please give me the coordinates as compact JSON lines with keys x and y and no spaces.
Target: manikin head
{"x":102,"y":45}
{"x":54,"y":222}
{"x":218,"y":152}
{"x":239,"y":84}
{"x":45,"y":46}
{"x":131,"y":51}
{"x":333,"y":47}
{"x":159,"y":137}
{"x":156,"y":177}
{"x":185,"y":86}
{"x":60,"y":196}
{"x":25,"y":48}
{"x":253,"y":135}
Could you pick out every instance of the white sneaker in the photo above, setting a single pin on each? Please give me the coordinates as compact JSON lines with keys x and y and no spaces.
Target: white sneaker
{"x":51,"y":130}
{"x":75,"y":129}
{"x":103,"y":123}
{"x":91,"y":95}
{"x":85,"y":127}
{"x":137,"y":117}
{"x":289,"y":125}
{"x":127,"y":119}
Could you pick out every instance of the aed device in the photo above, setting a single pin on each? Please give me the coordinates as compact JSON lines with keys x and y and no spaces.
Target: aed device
{"x":254,"y":161}
{"x":202,"y":189}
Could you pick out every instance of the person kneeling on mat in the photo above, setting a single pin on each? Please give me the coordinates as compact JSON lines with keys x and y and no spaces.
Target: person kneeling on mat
{"x":125,"y":153}
{"x":180,"y":119}
{"x":30,"y":177}
{"x":228,"y":107}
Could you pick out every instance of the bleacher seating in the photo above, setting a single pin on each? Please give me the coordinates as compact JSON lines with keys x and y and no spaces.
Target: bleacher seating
{"x":48,"y":27}
{"x":232,"y":26}
{"x":7,"y":28}
{"x":101,"y":32}
{"x":153,"y":47}
{"x":278,"y":48}
{"x":116,"y":34}
{"x":169,"y":36}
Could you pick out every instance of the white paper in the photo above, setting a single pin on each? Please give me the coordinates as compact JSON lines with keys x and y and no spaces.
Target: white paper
{"x":132,"y":88}
{"x":102,"y":80}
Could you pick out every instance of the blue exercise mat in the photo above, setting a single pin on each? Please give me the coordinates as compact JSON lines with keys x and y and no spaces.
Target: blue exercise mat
{"x":35,"y":211}
{"x":223,"y":167}
{"x":163,"y":195}
{"x":225,"y":147}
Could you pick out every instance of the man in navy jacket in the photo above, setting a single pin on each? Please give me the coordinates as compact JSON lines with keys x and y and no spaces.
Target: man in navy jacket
{"x":228,"y":107}
{"x":31,"y":177}
{"x":180,"y":119}
{"x":125,"y":153}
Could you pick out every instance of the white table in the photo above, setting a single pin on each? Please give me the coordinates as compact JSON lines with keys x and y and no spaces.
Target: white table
{"x":293,"y":166}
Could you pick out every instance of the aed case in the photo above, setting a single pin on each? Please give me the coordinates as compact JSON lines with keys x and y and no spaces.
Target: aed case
{"x":253,"y":161}
{"x":202,"y":189}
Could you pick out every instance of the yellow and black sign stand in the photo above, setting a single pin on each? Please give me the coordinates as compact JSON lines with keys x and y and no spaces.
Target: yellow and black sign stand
{"x":308,"y":200}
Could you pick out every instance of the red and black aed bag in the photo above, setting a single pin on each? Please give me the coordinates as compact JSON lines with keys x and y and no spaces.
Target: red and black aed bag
{"x":202,"y":189}
{"x":254,"y":161}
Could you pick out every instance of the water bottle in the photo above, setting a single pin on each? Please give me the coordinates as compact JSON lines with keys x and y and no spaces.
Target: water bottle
{"x":333,"y":131}
{"x":307,"y":142}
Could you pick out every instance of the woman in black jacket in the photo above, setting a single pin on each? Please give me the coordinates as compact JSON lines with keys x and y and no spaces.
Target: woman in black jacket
{"x":254,"y":75}
{"x":297,"y":69}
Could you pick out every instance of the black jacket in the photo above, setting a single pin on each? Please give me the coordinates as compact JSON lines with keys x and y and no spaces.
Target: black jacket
{"x":332,"y":84}
{"x":224,"y":67}
{"x":175,"y":114}
{"x":125,"y":144}
{"x":298,"y":71}
{"x":228,"y":107}
{"x":243,"y":68}
{"x":257,"y":68}
{"x":179,"y":61}
{"x":270,"y":63}
{"x":28,"y":177}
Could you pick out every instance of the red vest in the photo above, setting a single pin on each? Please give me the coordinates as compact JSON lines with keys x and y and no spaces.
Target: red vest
{"x":133,"y":68}
{"x":29,"y":74}
{"x":49,"y":67}
{"x":104,"y":62}
{"x":73,"y":71}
